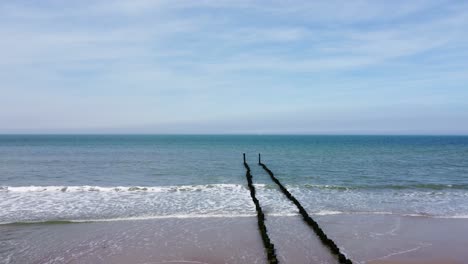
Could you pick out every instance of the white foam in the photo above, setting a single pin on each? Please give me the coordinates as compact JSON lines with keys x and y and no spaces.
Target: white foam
{"x":327,"y":212}
{"x":89,"y":188}
{"x":140,"y":218}
{"x":34,"y":203}
{"x":453,"y":216}
{"x":391,"y":213}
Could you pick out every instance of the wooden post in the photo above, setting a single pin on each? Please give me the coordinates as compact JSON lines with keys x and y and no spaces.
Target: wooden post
{"x":244,"y":157}
{"x":259,"y":159}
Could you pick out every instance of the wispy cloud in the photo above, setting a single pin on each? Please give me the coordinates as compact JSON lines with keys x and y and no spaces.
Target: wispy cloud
{"x":125,"y":63}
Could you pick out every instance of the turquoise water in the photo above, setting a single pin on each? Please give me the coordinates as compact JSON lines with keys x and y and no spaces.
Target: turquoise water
{"x":84,"y":177}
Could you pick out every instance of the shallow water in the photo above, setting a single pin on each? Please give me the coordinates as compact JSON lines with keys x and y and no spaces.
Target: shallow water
{"x":98,"y":178}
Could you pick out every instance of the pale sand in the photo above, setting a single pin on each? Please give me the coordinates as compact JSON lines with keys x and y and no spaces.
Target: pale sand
{"x":373,"y":239}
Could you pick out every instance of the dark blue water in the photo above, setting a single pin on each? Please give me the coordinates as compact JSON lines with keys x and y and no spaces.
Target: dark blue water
{"x":104,"y":177}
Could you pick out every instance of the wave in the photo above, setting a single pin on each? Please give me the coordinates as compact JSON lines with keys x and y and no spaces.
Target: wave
{"x":196,"y":216}
{"x":136,"y":218}
{"x":88,"y":188}
{"x":423,"y":186}
{"x":112,"y":203}
{"x":197,"y":188}
{"x":44,"y":222}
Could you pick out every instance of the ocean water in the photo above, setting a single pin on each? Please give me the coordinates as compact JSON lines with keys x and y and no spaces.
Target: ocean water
{"x":106,"y":178}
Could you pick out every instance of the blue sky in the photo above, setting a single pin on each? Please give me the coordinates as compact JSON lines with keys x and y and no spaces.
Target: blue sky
{"x":307,"y":67}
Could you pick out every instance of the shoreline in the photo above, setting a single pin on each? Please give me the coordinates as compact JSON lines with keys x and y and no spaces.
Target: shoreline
{"x":198,"y":216}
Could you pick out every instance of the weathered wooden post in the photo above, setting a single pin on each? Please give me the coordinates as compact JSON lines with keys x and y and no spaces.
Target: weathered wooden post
{"x":259,"y":159}
{"x":269,"y":247}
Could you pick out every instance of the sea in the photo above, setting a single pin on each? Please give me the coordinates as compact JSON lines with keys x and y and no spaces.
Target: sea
{"x":88,"y":178}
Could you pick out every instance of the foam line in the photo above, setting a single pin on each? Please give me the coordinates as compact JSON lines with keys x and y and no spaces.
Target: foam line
{"x":88,"y":188}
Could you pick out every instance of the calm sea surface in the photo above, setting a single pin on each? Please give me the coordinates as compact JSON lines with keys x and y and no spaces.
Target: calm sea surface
{"x":75,"y":178}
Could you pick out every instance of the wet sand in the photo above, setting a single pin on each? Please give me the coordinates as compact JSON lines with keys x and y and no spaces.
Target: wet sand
{"x":375,"y":239}
{"x":442,"y":261}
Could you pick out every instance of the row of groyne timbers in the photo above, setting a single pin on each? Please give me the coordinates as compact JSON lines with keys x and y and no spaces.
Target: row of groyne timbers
{"x":269,"y":247}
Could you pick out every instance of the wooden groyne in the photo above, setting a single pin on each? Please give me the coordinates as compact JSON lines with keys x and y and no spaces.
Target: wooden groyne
{"x":311,"y":222}
{"x":269,"y":247}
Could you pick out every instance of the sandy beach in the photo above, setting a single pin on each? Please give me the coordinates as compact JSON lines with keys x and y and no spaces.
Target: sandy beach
{"x":373,"y":239}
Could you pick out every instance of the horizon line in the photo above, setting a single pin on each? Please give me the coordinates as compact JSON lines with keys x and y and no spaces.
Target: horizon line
{"x":226,"y":134}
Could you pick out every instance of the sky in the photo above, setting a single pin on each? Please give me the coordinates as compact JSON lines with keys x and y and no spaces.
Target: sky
{"x":228,"y":67}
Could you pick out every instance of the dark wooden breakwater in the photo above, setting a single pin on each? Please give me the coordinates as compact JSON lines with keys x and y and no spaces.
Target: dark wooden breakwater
{"x":269,"y":247}
{"x":311,"y":222}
